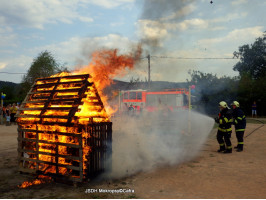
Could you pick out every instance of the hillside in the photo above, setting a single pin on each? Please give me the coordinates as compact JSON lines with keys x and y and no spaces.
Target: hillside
{"x":4,"y":84}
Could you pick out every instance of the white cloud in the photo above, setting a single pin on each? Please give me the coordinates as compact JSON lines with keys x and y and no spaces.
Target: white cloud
{"x":19,"y":64}
{"x":243,"y":36}
{"x":36,"y":14}
{"x":77,"y":50}
{"x":193,"y":23}
{"x":7,"y":37}
{"x":229,"y":17}
{"x":32,"y":13}
{"x":85,"y":19}
{"x":2,"y":65}
{"x":153,"y":29}
{"x":74,"y":52}
{"x":238,"y":2}
{"x":107,"y":3}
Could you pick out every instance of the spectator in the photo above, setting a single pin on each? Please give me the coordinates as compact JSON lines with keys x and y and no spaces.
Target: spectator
{"x":131,"y":110}
{"x":254,"y":109}
{"x":7,"y":112}
{"x":4,"y":112}
{"x":1,"y":115}
{"x":13,"y":111}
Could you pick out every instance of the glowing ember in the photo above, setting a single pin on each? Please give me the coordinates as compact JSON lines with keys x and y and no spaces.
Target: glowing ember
{"x":41,"y":179}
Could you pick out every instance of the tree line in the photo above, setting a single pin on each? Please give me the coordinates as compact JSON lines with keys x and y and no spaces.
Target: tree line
{"x":246,"y":88}
{"x":249,"y":86}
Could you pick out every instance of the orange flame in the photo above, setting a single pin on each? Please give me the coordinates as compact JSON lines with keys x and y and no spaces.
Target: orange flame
{"x":41,"y":179}
{"x":106,"y":65}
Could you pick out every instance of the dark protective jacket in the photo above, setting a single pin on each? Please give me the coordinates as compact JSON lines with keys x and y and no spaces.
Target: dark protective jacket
{"x":239,"y":119}
{"x":225,"y":120}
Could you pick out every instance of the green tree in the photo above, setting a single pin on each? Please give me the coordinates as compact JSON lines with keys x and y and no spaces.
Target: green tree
{"x":252,"y":71}
{"x":252,"y":59}
{"x":210,"y":90}
{"x":44,"y":65}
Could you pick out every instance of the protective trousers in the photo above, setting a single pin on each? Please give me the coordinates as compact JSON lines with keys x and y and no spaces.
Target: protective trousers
{"x":240,"y":139}
{"x":223,"y":139}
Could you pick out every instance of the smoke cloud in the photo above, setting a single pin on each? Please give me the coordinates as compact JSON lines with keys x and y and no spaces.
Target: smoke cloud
{"x":159,"y":18}
{"x":149,"y":141}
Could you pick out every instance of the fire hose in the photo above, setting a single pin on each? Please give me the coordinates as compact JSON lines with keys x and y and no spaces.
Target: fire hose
{"x":255,"y":128}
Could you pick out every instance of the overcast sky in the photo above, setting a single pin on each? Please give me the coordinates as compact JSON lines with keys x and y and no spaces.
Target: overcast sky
{"x":169,"y":29}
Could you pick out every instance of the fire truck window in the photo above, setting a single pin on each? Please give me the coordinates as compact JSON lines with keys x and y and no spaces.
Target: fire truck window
{"x":132,"y":95}
{"x":126,"y":95}
{"x":139,"y":95}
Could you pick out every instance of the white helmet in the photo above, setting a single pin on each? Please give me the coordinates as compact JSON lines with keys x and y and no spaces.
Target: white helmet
{"x":223,"y":104}
{"x":235,"y":103}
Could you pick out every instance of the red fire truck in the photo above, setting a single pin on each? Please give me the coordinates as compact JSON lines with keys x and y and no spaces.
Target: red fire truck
{"x":151,"y":101}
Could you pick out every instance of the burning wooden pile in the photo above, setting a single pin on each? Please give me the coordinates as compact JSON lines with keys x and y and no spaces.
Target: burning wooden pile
{"x":63,"y":129}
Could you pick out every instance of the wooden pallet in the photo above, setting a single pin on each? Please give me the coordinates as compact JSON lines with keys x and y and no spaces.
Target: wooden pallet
{"x":64,"y":95}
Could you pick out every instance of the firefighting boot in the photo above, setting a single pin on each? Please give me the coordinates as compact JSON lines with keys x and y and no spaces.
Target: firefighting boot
{"x":236,"y":147}
{"x":222,"y":149}
{"x":228,"y":151}
{"x":240,"y":148}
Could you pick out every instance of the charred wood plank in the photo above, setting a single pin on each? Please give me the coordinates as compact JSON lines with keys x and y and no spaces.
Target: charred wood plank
{"x":55,"y":90}
{"x":50,"y":154}
{"x":49,"y":142}
{"x":65,"y":77}
{"x":49,"y":123}
{"x":47,"y":85}
{"x":52,"y":132}
{"x":50,"y":163}
{"x":52,"y":100}
{"x":43,"y":116}
{"x":63,"y":178}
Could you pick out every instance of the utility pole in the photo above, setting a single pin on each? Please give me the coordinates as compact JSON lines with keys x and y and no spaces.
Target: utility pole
{"x":149,"y":71}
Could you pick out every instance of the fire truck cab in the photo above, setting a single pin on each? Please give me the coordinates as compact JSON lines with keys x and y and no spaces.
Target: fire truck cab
{"x":150,"y":101}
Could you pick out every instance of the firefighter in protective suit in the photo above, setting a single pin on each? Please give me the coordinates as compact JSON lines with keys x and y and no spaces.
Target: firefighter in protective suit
{"x":239,"y":120}
{"x":224,"y":130}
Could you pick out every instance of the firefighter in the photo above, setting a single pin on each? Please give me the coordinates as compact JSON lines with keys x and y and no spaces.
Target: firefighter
{"x":239,"y":120}
{"x":131,"y":110}
{"x":224,"y":130}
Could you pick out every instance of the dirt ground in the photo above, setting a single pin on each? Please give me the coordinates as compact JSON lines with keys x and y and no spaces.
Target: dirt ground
{"x":210,"y":175}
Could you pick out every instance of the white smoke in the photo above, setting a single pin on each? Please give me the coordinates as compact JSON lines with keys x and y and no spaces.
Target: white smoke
{"x":142,"y":143}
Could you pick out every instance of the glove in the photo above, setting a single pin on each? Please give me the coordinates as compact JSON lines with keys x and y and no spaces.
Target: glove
{"x":216,"y":119}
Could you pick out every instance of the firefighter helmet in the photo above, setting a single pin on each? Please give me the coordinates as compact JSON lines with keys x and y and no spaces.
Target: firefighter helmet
{"x":223,"y":104}
{"x":235,"y":103}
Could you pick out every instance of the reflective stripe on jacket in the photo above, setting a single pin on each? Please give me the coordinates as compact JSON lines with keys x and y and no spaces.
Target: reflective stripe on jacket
{"x":225,"y":121}
{"x":239,"y":119}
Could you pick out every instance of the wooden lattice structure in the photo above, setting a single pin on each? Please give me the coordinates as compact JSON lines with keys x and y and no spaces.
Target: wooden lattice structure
{"x":63,"y":129}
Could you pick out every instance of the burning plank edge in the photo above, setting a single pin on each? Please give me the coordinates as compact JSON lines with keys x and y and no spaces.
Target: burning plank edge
{"x":100,"y":143}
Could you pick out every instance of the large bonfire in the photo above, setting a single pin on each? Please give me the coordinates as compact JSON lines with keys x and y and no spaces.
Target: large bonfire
{"x":49,"y":124}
